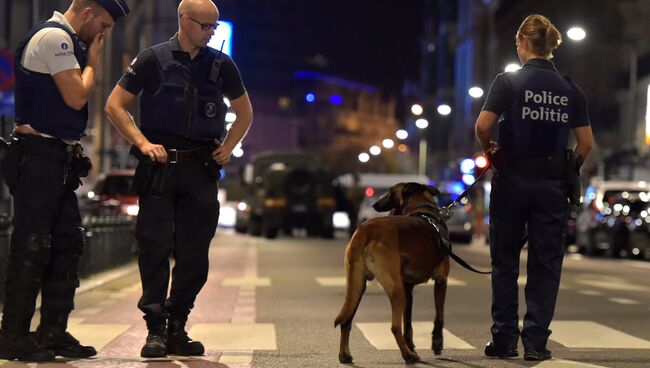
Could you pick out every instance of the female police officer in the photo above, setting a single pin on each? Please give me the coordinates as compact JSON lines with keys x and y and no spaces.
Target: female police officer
{"x":535,"y":108}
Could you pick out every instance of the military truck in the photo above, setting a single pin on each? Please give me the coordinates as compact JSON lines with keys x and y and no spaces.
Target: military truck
{"x":286,"y":191}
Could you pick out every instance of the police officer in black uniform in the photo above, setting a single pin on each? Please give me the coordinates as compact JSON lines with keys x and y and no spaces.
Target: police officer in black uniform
{"x":55,"y":75}
{"x":183,"y":85}
{"x":536,"y":108}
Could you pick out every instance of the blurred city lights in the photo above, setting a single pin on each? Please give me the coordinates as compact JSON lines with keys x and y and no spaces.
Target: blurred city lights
{"x":576,"y":33}
{"x":402,"y":134}
{"x":222,"y":38}
{"x":364,"y":157}
{"x":370,"y":191}
{"x":512,"y":67}
{"x":476,"y":92}
{"x":481,"y":162}
{"x":388,"y":143}
{"x":647,"y":117}
{"x":228,"y":126}
{"x":468,"y":179}
{"x":238,"y":152}
{"x":375,"y":150}
{"x":242,"y":206}
{"x":336,"y":99}
{"x":402,"y":148}
{"x":310,"y":97}
{"x":467,"y":166}
{"x":422,"y":123}
{"x":417,"y":109}
{"x":226,"y":101}
{"x":444,"y":109}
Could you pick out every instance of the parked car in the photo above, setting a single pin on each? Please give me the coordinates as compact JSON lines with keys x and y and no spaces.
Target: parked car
{"x":112,"y":194}
{"x":460,"y":224}
{"x":615,"y":220}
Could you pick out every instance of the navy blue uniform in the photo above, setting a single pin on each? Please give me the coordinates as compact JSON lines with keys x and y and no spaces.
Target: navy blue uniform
{"x":537,"y":108}
{"x":181,"y":108}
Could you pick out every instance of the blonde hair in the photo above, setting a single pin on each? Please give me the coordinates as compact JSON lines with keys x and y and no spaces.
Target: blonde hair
{"x":541,"y":33}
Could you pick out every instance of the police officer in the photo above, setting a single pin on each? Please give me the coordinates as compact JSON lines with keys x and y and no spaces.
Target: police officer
{"x":536,"y":108}
{"x":183,"y":84}
{"x":56,"y":64}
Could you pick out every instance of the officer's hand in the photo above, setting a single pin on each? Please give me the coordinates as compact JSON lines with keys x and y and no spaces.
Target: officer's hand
{"x":494,"y":146}
{"x":221,"y":155}
{"x":156,"y":152}
{"x":95,"y":49}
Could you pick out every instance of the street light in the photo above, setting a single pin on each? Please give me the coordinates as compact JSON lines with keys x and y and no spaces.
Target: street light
{"x":422,"y":123}
{"x":417,"y":109}
{"x":375,"y":150}
{"x":476,"y":92}
{"x":444,"y":109}
{"x":402,"y":134}
{"x":364,"y":157}
{"x":512,"y":67}
{"x":388,"y":143}
{"x":576,"y":33}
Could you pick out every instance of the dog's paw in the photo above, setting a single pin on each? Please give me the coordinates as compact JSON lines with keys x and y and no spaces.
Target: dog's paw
{"x":436,"y":346}
{"x":345,"y":359}
{"x":411,"y":358}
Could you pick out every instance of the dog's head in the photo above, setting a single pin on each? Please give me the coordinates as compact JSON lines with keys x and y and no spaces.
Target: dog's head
{"x":404,"y":196}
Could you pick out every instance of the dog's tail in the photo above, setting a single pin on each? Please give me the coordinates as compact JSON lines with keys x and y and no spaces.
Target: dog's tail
{"x":355,"y":280}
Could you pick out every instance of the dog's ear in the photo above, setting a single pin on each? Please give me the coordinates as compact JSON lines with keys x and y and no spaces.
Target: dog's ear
{"x":432,"y":190}
{"x":384,"y":203}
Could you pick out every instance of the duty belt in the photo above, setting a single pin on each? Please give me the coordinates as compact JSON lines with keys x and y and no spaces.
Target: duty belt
{"x":51,"y":148}
{"x":175,"y":155}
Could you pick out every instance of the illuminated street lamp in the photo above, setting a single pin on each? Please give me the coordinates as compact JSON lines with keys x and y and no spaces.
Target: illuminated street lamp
{"x":417,"y":109}
{"x":364,"y":157}
{"x":576,"y":33}
{"x":476,"y":92}
{"x":422,"y":123}
{"x":402,"y":134}
{"x":388,"y":143}
{"x":512,"y":67}
{"x":444,"y":109}
{"x":375,"y":150}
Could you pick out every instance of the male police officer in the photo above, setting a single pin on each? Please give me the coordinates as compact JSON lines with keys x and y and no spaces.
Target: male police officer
{"x":183,"y":84}
{"x":538,"y":107}
{"x":55,"y":75}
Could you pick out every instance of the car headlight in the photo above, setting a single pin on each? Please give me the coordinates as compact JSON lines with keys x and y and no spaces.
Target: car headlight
{"x":132,"y":210}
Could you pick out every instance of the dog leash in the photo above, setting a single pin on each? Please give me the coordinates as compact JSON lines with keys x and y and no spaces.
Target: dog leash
{"x":445,"y":244}
{"x":447,"y":210}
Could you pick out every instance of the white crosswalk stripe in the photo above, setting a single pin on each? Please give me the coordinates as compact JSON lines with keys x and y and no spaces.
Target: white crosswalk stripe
{"x":559,"y":363}
{"x":97,"y":336}
{"x":235,"y":336}
{"x":380,"y":336}
{"x":340,"y":282}
{"x":592,"y":335}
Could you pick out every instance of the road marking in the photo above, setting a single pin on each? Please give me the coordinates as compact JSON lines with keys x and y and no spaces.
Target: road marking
{"x":614,"y":285}
{"x":89,"y":311}
{"x":559,"y":363}
{"x":590,"y":292}
{"x":247,"y":281}
{"x":379,"y":335}
{"x":340,"y":282}
{"x":235,"y":336}
{"x":624,"y":301}
{"x":75,"y":320}
{"x":236,"y":357}
{"x":588,"y":334}
{"x":97,"y":335}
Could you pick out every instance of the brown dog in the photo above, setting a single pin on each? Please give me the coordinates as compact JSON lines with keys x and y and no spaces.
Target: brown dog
{"x":400,"y":250}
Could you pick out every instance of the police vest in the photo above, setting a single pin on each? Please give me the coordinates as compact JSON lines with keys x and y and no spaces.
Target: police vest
{"x":39,"y":102}
{"x":539,"y":120}
{"x":189,"y":99}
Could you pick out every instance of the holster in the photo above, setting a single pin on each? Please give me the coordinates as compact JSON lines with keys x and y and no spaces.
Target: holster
{"x":150,"y":176}
{"x":572,"y":177}
{"x":499,"y":163}
{"x":11,"y":160}
{"x":213,"y":168}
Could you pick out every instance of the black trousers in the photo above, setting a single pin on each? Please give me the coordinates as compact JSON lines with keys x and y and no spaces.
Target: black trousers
{"x":179,"y":223}
{"x":46,"y":244}
{"x":539,"y":205}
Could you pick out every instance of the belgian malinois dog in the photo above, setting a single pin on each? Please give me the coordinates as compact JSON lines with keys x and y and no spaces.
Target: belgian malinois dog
{"x":400,"y":250}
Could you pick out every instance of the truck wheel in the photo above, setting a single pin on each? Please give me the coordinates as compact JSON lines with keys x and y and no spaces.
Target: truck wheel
{"x":255,"y":227}
{"x":271,"y":233}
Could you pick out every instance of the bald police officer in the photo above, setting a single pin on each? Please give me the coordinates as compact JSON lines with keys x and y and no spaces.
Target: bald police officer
{"x":536,"y":108}
{"x":182,"y":84}
{"x":55,"y":66}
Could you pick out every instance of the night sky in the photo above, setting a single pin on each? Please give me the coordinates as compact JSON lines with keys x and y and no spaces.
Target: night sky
{"x":370,"y":42}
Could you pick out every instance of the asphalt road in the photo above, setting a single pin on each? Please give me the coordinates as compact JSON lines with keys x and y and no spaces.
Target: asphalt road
{"x":272,"y":303}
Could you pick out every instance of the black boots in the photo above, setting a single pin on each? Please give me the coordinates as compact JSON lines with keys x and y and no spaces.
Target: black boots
{"x":156,"y":345}
{"x":178,"y":343}
{"x":493,"y":350}
{"x":174,"y":341}
{"x":62,"y":343}
{"x":23,"y":348}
